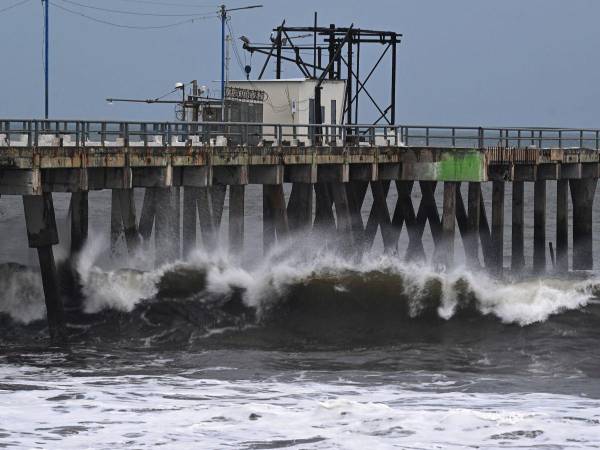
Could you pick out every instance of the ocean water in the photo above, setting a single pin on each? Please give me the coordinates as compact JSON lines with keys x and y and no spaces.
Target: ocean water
{"x":303,"y":348}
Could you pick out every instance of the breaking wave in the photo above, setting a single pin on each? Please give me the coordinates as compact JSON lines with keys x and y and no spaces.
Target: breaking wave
{"x":295,"y":287}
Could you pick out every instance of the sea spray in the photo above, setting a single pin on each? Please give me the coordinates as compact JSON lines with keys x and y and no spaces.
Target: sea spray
{"x":269,"y":281}
{"x":319,"y":274}
{"x":21,"y":293}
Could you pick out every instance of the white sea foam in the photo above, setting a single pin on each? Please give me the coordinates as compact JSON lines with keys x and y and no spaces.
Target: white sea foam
{"x":147,"y":411}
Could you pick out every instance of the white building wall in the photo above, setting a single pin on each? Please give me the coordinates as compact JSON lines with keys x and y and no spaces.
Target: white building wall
{"x":288,"y":100}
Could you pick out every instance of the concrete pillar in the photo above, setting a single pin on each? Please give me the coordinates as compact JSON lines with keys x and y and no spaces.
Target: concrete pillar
{"x":518,"y":241}
{"x":165,"y":241}
{"x":446,"y":253}
{"x":79,"y":221}
{"x":356,"y":192}
{"x":42,"y":235}
{"x":498,"y":226}
{"x":582,"y":196}
{"x":429,"y":208}
{"x":415,"y":248}
{"x":147,"y":214}
{"x":539,"y":227}
{"x":462,"y":219}
{"x":380,"y":191}
{"x":324,"y":220}
{"x":218,"y":192}
{"x":485,"y":236}
{"x":116,"y":223}
{"x":176,"y":220}
{"x":126,"y":200}
{"x":300,"y":206}
{"x":474,"y":215}
{"x":383,"y":214}
{"x":207,"y":221}
{"x":268,"y":221}
{"x":236,"y":218}
{"x":275,"y":221}
{"x":562,"y":226}
{"x":190,"y":197}
{"x":345,"y":236}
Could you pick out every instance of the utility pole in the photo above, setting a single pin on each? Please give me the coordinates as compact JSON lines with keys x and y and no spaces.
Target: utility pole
{"x":46,"y":46}
{"x":223,"y":15}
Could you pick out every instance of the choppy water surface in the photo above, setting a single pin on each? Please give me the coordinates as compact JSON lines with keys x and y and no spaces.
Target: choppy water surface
{"x":306,"y":348}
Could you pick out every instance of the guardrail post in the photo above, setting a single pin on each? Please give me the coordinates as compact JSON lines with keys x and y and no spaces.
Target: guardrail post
{"x":244,"y":137}
{"x":560,"y":139}
{"x":279,"y":131}
{"x":145,"y":134}
{"x":427,"y":136}
{"x":103,"y":134}
{"x":453,"y":137}
{"x":372,"y":135}
{"x":597,"y":140}
{"x":35,"y":133}
{"x":126,"y":134}
{"x":481,"y":138}
{"x":580,"y":138}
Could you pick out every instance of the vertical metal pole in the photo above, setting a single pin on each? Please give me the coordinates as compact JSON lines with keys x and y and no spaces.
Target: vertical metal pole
{"x":357,"y":78}
{"x":223,"y":18}
{"x":46,"y":47}
{"x":278,"y":62}
{"x":394,"y":63}
{"x":315,"y":47}
{"x":350,"y":79}
{"x":331,"y":51}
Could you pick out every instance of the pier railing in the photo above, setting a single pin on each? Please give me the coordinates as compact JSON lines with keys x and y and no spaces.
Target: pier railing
{"x":52,"y":133}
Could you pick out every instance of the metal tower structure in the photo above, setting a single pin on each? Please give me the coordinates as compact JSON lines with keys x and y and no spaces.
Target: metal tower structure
{"x":336,"y":55}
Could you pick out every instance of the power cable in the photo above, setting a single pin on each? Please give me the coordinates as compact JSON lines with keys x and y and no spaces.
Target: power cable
{"x":22,"y":2}
{"x":132,"y":27}
{"x":120,"y":11}
{"x":186,"y":5}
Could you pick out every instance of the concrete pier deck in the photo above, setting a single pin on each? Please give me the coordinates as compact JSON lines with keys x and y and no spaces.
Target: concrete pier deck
{"x":330,"y":169}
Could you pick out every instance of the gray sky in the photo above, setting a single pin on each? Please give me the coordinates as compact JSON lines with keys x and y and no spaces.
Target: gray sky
{"x":471,"y":62}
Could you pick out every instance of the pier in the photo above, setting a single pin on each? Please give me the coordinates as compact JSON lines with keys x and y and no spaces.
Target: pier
{"x":187,"y":168}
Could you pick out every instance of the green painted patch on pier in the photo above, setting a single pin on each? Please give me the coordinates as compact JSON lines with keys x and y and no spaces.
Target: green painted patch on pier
{"x":461,"y":165}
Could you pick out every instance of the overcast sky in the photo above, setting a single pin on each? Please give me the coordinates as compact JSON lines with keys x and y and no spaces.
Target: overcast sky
{"x":471,"y":62}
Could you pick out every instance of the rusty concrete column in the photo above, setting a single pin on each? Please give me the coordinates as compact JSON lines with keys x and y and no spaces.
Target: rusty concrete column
{"x":42,"y":235}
